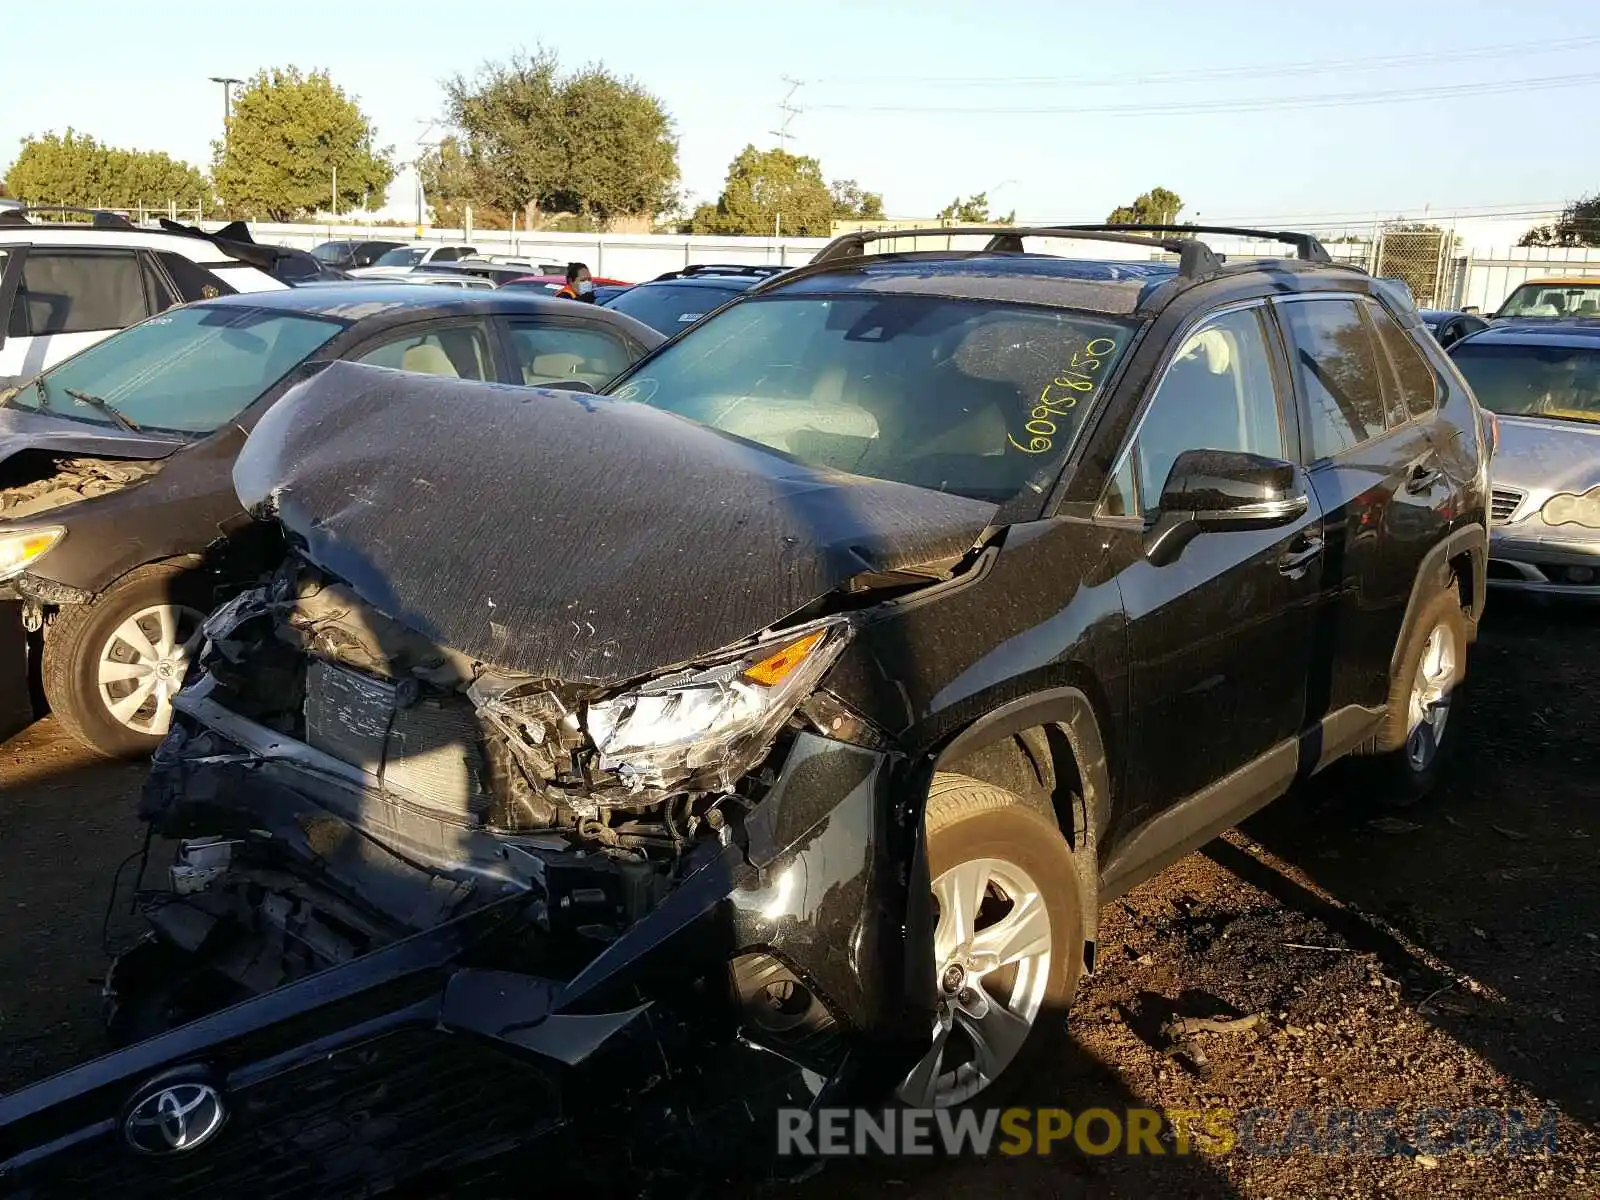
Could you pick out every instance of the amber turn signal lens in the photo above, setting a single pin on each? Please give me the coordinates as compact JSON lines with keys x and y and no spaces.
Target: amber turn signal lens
{"x":776,"y":667}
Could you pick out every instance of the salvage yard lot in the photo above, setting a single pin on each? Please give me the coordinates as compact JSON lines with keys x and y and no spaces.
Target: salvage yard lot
{"x":1445,"y":956}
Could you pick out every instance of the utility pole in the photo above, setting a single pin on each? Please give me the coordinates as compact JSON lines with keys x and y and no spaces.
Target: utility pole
{"x":335,"y":209}
{"x":790,"y":111}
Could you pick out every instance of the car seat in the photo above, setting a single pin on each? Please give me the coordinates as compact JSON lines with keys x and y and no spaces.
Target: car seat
{"x":427,"y":359}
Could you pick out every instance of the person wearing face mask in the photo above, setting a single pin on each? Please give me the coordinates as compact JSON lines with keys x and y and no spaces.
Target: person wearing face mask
{"x":580,"y":284}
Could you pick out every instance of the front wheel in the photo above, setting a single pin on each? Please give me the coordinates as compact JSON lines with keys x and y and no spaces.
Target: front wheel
{"x":1008,"y":947}
{"x":111,"y":668}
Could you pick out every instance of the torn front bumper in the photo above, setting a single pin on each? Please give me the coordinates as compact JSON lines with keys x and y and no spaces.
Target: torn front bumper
{"x":787,"y":969}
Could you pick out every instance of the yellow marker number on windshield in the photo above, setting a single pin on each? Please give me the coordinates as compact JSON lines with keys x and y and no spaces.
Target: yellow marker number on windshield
{"x":1061,"y":395}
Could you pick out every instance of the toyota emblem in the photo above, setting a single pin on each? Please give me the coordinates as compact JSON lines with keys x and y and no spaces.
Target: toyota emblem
{"x":174,"y":1118}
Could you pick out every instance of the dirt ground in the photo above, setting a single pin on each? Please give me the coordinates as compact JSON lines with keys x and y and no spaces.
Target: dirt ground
{"x":1447,"y":955}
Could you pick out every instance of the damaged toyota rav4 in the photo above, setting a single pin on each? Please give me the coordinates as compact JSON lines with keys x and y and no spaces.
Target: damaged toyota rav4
{"x":771,"y":730}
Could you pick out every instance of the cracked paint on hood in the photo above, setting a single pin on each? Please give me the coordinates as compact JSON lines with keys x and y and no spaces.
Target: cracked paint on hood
{"x":571,"y":536}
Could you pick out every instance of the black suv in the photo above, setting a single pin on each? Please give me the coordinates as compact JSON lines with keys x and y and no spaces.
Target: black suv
{"x":671,"y":756}
{"x":672,"y":302}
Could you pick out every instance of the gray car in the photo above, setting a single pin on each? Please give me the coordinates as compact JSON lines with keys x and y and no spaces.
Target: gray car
{"x":1543,"y":383}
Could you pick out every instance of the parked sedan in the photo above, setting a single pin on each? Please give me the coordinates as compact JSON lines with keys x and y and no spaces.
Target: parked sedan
{"x":1543,"y":381}
{"x":1450,"y":327}
{"x":346,"y":254}
{"x":115,"y":498}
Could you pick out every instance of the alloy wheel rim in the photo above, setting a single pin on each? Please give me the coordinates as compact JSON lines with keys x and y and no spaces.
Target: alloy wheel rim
{"x":1430,"y":698}
{"x":992,"y":949}
{"x":142,"y":664}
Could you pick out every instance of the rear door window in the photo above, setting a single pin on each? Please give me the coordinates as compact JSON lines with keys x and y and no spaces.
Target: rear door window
{"x":158,"y":289}
{"x":555,"y":353}
{"x":1336,"y":365}
{"x":1417,"y":385}
{"x":457,"y":352}
{"x":81,"y":291}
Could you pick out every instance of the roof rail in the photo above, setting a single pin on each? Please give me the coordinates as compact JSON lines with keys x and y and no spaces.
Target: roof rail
{"x":101,"y":218}
{"x":760,"y":270}
{"x":1306,"y":246}
{"x":1195,"y":258}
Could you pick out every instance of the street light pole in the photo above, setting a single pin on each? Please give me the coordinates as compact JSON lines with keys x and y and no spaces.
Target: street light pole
{"x":227,"y":83}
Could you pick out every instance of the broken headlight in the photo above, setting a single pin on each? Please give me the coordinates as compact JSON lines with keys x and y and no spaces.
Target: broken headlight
{"x":708,"y":726}
{"x":19,"y":550}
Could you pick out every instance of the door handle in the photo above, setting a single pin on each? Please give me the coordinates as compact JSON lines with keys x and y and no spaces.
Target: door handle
{"x":1422,"y":478}
{"x":1293,"y":563}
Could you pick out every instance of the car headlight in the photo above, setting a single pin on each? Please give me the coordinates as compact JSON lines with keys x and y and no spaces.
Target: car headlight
{"x":707,"y":726}
{"x":1561,"y":509}
{"x":19,"y":550}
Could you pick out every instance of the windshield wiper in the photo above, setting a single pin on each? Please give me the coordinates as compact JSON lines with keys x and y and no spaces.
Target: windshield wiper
{"x":104,"y":406}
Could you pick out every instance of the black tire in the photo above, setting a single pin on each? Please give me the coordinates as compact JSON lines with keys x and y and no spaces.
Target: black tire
{"x":968,"y":820}
{"x":79,"y":634}
{"x":1403,"y":776}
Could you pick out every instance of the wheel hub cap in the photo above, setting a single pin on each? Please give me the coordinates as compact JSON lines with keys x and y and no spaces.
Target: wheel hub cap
{"x":142,"y":665}
{"x":992,"y":951}
{"x":1430,"y":698}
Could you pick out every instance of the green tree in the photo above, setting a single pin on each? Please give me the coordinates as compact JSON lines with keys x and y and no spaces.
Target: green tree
{"x":74,"y":169}
{"x":974,"y":210}
{"x":1578,"y":225}
{"x":852,"y":203}
{"x":1158,"y":206}
{"x":447,"y":186}
{"x":289,"y":133}
{"x":590,"y":143}
{"x":768,"y":192}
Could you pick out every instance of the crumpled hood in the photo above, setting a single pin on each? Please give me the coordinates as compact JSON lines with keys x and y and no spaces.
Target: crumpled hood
{"x":21,"y":429}
{"x":1537,"y":454}
{"x":574,"y":537}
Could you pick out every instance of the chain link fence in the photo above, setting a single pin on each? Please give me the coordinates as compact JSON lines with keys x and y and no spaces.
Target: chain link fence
{"x":1423,"y":258}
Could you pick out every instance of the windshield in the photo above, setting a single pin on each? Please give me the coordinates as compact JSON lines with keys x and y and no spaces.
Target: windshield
{"x":1553,"y":300}
{"x":188,"y":370}
{"x":331,"y":252}
{"x":1537,"y":381}
{"x":955,"y":395}
{"x":668,"y":307}
{"x":400,"y":256}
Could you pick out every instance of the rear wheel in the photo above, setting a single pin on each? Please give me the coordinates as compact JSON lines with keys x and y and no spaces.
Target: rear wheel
{"x":1424,"y":693}
{"x":1008,"y":947}
{"x":111,"y":668}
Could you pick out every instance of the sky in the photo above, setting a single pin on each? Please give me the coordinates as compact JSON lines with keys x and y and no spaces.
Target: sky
{"x":1304,"y":113}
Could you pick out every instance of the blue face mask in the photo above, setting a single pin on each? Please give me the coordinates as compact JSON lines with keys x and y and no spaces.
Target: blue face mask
{"x":585,"y":287}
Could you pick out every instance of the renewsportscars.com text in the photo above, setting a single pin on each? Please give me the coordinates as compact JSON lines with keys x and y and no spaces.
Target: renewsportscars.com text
{"x":1374,"y":1132}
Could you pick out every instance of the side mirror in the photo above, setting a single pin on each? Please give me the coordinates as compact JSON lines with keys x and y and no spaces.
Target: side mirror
{"x":569,"y":385}
{"x":1217,"y":491}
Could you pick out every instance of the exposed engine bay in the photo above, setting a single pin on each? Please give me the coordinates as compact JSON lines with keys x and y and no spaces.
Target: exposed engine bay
{"x":36,"y":481}
{"x":477,"y":779}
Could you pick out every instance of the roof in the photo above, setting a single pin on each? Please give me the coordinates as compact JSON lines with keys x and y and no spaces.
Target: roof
{"x":726,"y":283}
{"x":1095,"y":285}
{"x":356,"y":301}
{"x":1547,"y":331}
{"x":1562,"y":281}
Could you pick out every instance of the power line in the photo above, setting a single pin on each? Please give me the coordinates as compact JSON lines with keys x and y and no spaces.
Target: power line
{"x":1253,"y":104}
{"x":1277,"y":70}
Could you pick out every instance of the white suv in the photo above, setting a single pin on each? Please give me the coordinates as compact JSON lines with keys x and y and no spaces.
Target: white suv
{"x":412,"y":258}
{"x":66,"y":286}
